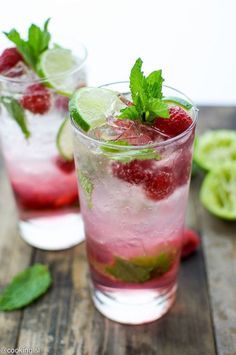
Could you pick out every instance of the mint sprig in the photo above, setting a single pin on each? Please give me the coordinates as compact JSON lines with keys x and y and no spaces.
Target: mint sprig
{"x":16,"y":111}
{"x":37,"y":42}
{"x":147,"y":96}
{"x":25,"y":287}
{"x":125,"y":156}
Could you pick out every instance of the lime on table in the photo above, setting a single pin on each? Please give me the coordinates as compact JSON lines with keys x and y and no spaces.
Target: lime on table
{"x":57,"y":65}
{"x":214,"y":148}
{"x":218,"y":191}
{"x":89,"y":107}
{"x":64,"y":140}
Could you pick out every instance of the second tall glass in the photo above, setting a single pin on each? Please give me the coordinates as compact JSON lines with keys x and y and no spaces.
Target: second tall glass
{"x":44,"y":184}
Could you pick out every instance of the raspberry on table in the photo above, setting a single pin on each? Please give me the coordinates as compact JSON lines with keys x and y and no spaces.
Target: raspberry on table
{"x":9,"y":58}
{"x":191,"y":241}
{"x":37,"y":99}
{"x":176,"y":124}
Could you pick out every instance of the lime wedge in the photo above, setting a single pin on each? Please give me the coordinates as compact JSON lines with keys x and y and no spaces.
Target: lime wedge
{"x":214,"y":148}
{"x":178,"y":101}
{"x":64,"y":140}
{"x":89,"y":107}
{"x":218,"y":191}
{"x":56,"y":65}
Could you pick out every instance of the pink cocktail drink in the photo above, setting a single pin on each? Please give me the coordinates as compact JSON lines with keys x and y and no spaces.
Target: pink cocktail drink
{"x":133,"y":185}
{"x":34,"y":89}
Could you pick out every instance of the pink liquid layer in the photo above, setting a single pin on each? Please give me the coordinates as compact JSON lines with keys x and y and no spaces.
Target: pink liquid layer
{"x":49,"y":184}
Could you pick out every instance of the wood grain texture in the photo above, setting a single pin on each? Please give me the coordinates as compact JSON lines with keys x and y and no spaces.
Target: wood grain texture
{"x":15,"y":255}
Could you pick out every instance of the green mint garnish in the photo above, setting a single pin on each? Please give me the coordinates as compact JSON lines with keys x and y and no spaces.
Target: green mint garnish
{"x":125,"y":156}
{"x":147,"y":96}
{"x":125,"y":270}
{"x":25,"y":288}
{"x":87,"y":187}
{"x":16,"y":111}
{"x":37,"y":42}
{"x":141,"y":269}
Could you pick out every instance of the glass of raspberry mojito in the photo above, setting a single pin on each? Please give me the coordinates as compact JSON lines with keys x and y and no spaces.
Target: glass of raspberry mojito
{"x":36,"y":80}
{"x":133,"y":151}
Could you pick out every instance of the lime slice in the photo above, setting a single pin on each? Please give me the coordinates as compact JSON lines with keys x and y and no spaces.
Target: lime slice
{"x":89,"y":107}
{"x":55,"y":64}
{"x":218,"y":191}
{"x":178,"y":101}
{"x":64,"y":140}
{"x":214,"y":148}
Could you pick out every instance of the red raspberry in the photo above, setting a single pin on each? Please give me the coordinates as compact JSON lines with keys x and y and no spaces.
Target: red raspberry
{"x":191,"y":242}
{"x":177,"y":123}
{"x":134,"y":172}
{"x":9,"y":58}
{"x":159,"y":184}
{"x":66,"y":167}
{"x":37,"y":99}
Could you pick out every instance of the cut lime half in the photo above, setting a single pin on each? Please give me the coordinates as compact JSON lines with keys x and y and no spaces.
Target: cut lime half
{"x":64,"y":140}
{"x":89,"y":107}
{"x":57,"y":66}
{"x":218,"y":191}
{"x":214,"y":148}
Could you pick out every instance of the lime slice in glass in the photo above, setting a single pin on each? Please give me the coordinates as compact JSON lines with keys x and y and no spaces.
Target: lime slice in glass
{"x":64,"y":140}
{"x":89,"y":107}
{"x":57,"y":66}
{"x":172,"y":100}
{"x":218,"y":191}
{"x":214,"y":148}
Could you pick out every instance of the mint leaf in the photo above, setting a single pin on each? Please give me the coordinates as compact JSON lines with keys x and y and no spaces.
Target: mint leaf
{"x":37,"y":42}
{"x":124,"y":270}
{"x":154,"y":84}
{"x":16,"y":111}
{"x":158,"y":108}
{"x":129,"y":113}
{"x":138,"y":86}
{"x":147,"y":96}
{"x":143,"y":268}
{"x":25,"y":287}
{"x":129,"y":155}
{"x":87,"y":187}
{"x":126,"y":156}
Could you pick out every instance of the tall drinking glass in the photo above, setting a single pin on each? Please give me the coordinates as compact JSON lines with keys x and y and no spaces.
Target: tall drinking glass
{"x":134,"y":230}
{"x":44,"y":185}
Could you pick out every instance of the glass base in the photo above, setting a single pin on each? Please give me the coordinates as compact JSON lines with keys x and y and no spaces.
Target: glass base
{"x":134,"y":306}
{"x":54,"y":232}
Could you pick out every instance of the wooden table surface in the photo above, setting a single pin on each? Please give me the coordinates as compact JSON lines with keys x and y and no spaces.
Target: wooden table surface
{"x":64,"y":321}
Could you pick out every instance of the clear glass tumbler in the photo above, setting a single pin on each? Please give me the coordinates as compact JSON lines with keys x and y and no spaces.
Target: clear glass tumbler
{"x":133,"y":241}
{"x":44,"y":185}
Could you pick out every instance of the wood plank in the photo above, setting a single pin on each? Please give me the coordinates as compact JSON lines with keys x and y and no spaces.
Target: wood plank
{"x":65,"y":321}
{"x":15,"y":255}
{"x":219,"y":239}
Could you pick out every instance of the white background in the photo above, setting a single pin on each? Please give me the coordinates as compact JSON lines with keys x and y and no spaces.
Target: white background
{"x":194,"y":42}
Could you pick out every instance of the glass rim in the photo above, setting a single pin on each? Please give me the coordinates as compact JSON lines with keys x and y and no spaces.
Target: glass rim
{"x":144,"y":146}
{"x":38,"y":80}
